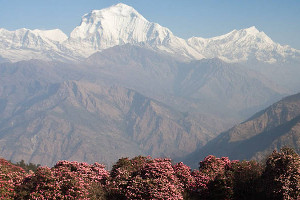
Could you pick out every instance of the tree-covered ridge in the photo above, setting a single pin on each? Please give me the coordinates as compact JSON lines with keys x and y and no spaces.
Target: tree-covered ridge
{"x":148,"y":178}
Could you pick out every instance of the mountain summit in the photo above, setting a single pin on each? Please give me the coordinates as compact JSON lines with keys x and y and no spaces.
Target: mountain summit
{"x":121,"y":24}
{"x":242,"y":45}
{"x":24,"y":44}
{"x":111,"y":26}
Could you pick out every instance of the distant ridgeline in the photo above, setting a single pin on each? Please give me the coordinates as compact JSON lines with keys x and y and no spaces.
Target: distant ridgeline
{"x":147,"y":178}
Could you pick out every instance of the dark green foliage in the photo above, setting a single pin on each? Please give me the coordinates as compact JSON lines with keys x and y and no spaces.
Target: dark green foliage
{"x":98,"y":192}
{"x":246,"y":178}
{"x":28,"y":167}
{"x":221,"y":187}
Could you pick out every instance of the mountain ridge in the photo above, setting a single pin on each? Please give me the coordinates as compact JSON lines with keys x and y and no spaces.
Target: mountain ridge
{"x":272,"y":128}
{"x":121,"y":24}
{"x":207,"y":80}
{"x":69,"y":120}
{"x":125,"y":100}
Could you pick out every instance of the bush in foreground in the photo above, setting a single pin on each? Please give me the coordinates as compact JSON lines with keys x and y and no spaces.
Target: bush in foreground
{"x":10,"y":177}
{"x":282,"y":175}
{"x":148,"y":178}
{"x":66,"y":180}
{"x":145,"y":178}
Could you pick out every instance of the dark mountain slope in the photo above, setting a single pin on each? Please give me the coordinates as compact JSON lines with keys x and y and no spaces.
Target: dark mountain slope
{"x":272,"y":128}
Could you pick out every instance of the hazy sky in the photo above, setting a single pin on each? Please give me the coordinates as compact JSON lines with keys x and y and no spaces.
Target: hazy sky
{"x":279,"y":19}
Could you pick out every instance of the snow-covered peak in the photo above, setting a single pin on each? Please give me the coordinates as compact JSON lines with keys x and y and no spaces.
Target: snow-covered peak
{"x":241,"y":45}
{"x":54,"y":35}
{"x":251,"y":30}
{"x":121,"y":24}
{"x":120,"y":9}
{"x":254,"y":33}
{"x":113,"y":19}
{"x":236,"y":35}
{"x":25,"y":44}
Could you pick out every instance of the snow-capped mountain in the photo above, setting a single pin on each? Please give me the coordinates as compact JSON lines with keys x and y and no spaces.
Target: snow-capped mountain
{"x":121,"y":24}
{"x":242,"y":45}
{"x":25,"y":44}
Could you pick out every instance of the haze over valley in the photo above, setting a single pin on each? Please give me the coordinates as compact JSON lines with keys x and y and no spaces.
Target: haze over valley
{"x":121,"y":86}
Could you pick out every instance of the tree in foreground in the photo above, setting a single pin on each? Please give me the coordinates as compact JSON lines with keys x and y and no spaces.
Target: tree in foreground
{"x":226,"y":179}
{"x":246,"y":179}
{"x":282,"y":175}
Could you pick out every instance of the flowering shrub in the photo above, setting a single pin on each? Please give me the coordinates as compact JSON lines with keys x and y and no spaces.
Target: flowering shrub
{"x":199,"y":188}
{"x":282,"y":175}
{"x":219,"y":185}
{"x":145,"y":178}
{"x":66,"y":180}
{"x":213,"y":166}
{"x":184,"y":175}
{"x":121,"y":175}
{"x":194,"y":182}
{"x":10,"y":176}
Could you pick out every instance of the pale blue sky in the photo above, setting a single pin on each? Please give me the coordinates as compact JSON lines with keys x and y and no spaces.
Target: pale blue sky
{"x":280,"y":19}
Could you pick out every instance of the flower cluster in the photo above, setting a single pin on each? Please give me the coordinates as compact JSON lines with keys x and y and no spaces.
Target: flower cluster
{"x":282,"y":175}
{"x":145,"y":178}
{"x":213,"y":166}
{"x":10,"y":177}
{"x":66,"y":180}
